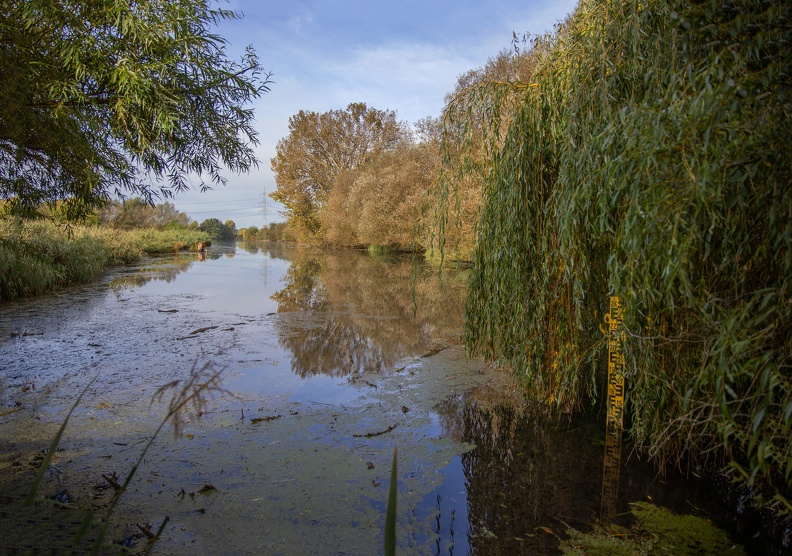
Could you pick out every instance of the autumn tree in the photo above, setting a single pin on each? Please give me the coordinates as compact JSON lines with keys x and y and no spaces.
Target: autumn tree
{"x":380,"y":203}
{"x":249,"y":233}
{"x":104,"y":98}
{"x":318,"y":149}
{"x":465,"y":159}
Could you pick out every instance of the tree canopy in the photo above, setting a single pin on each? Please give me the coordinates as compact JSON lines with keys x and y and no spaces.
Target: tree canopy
{"x":319,"y":148}
{"x":104,"y":97}
{"x":136,"y":213}
{"x":219,"y":230}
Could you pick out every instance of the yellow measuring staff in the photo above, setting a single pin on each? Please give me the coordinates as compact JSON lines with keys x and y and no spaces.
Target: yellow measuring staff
{"x":615,"y":403}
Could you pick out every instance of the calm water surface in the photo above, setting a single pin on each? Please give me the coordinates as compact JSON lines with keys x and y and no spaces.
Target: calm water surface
{"x":327,"y":364}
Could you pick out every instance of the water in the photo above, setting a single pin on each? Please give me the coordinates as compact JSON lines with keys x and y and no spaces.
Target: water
{"x":327,"y":364}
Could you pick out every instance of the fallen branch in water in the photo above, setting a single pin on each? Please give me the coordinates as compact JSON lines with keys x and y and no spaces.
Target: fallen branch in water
{"x":370,"y":434}
{"x":434,"y":351}
{"x":201,"y":330}
{"x":255,"y":420}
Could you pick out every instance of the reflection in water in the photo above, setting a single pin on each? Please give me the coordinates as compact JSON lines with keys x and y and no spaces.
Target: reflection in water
{"x":530,"y":476}
{"x":339,"y":314}
{"x":161,"y":268}
{"x":348,"y":313}
{"x":524,"y":478}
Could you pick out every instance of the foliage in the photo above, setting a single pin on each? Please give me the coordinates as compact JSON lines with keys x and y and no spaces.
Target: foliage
{"x":39,"y":256}
{"x":464,"y":156}
{"x":657,"y":531}
{"x":318,"y":149}
{"x":648,"y":158}
{"x":274,"y":231}
{"x":250,"y":233}
{"x":108,"y":97}
{"x":219,"y":230}
{"x":136,"y":213}
{"x":380,"y":202}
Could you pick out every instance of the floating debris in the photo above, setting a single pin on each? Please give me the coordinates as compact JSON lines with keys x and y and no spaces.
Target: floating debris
{"x":207,"y":488}
{"x":202,"y":330}
{"x":63,"y":497}
{"x":255,"y":420}
{"x":370,"y":434}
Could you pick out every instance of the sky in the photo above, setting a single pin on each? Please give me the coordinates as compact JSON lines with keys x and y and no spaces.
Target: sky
{"x":392,"y":55}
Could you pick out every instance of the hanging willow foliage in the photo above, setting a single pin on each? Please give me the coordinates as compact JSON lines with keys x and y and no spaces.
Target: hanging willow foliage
{"x":648,"y":158}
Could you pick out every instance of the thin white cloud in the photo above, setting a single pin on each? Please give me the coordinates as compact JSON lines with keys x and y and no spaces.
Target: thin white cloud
{"x":296,"y":22}
{"x":411,"y":78}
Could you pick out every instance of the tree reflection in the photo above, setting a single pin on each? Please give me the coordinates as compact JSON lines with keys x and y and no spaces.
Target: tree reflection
{"x":346,"y":312}
{"x":251,"y":247}
{"x":164,"y":269}
{"x":526,"y":474}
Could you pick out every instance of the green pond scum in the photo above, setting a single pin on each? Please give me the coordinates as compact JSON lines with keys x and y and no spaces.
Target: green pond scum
{"x":656,"y":531}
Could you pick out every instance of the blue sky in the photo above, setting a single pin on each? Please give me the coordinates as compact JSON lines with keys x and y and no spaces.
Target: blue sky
{"x":403,"y":56}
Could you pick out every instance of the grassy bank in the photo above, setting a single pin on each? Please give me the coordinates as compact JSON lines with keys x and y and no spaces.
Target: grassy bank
{"x":36,"y":257}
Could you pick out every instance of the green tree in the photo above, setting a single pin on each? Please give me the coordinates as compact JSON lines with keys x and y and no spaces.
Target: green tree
{"x":137,"y":213}
{"x":107,"y":97}
{"x":218,"y":230}
{"x":319,"y":148}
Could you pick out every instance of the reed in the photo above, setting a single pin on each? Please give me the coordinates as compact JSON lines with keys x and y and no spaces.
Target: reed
{"x":39,"y":256}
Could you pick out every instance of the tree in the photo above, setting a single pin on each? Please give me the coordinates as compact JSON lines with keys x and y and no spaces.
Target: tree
{"x":136,"y":213}
{"x":321,"y":146}
{"x":649,"y":159}
{"x":218,"y":230}
{"x":231,"y":227}
{"x":380,"y":203}
{"x":250,"y":233}
{"x":464,"y":146}
{"x":106,"y":97}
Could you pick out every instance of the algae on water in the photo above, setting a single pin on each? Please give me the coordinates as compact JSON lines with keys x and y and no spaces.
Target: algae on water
{"x":657,"y":531}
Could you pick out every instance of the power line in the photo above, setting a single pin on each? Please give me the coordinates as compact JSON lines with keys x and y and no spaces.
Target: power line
{"x":217,"y":202}
{"x":220,"y":211}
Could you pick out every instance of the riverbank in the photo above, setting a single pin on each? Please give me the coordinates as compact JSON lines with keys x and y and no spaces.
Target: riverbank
{"x":40,"y":256}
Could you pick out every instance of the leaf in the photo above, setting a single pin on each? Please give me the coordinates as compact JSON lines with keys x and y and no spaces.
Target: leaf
{"x":45,"y":463}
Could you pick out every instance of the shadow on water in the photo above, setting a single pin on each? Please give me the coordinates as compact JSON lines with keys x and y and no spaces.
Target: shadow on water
{"x":530,"y":477}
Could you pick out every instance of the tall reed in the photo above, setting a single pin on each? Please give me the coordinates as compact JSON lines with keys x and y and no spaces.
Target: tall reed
{"x":38,"y":256}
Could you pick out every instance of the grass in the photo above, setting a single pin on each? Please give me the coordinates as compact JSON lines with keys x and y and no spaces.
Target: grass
{"x":188,"y":400}
{"x":40,"y":256}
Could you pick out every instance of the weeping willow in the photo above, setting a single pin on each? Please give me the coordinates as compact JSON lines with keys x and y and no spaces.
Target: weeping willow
{"x":649,"y":157}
